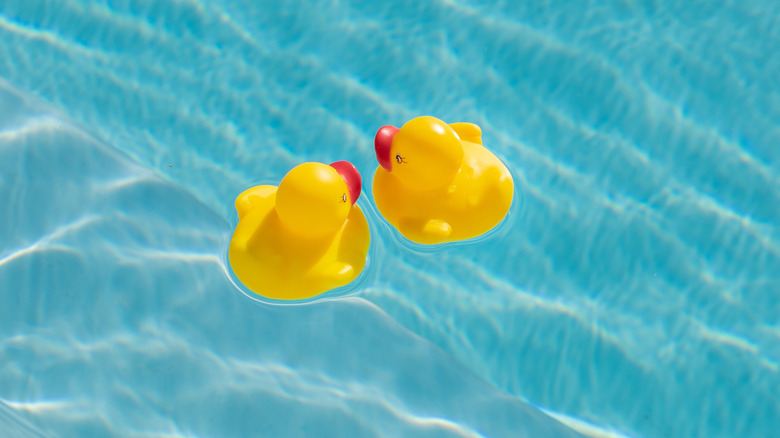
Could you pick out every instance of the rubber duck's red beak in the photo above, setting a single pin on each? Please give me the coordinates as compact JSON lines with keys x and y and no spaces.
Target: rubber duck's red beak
{"x":382,"y":143}
{"x":351,"y":176}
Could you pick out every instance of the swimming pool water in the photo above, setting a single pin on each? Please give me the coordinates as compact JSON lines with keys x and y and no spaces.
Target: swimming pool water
{"x":634,"y":292}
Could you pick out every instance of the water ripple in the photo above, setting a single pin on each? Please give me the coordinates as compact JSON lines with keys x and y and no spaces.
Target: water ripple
{"x":643,"y":136}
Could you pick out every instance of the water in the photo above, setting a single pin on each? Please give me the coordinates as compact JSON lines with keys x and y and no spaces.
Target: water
{"x":633,"y":293}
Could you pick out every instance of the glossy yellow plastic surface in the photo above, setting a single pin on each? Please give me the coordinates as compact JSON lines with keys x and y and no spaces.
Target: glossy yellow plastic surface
{"x":301,"y":239}
{"x":442,"y":185}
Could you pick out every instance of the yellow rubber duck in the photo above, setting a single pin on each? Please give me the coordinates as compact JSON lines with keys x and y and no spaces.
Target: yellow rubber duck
{"x":303,"y":238}
{"x":436,"y":183}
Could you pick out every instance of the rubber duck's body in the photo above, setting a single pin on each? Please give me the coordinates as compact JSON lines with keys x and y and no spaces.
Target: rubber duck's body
{"x":436,"y":183}
{"x":303,"y":238}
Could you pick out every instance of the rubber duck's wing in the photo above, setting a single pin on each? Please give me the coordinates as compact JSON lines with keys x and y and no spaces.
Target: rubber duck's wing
{"x":468,"y":132}
{"x":426,"y":231}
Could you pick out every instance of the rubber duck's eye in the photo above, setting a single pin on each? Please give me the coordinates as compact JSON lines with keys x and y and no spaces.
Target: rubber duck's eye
{"x":344,"y":197}
{"x":399,"y":159}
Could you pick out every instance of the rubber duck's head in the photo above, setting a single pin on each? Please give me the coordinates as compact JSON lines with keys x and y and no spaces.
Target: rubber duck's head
{"x":314,"y":199}
{"x":425,"y":153}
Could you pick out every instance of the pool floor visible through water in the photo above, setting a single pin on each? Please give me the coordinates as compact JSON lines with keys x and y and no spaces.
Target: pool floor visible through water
{"x":633,"y":293}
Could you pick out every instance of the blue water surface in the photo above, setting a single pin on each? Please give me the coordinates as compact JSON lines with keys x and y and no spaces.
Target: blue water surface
{"x":633,"y":292}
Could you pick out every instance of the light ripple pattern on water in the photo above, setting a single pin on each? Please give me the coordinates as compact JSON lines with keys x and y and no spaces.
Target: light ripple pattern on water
{"x":636,"y":293}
